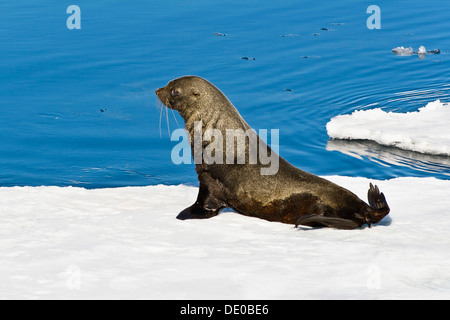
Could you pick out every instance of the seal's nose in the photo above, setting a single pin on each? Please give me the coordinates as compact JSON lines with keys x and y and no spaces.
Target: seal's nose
{"x":158,"y":92}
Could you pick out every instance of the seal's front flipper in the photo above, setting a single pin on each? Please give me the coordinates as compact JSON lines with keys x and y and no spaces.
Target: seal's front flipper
{"x":315,"y":220}
{"x":196,"y":212}
{"x":206,"y":206}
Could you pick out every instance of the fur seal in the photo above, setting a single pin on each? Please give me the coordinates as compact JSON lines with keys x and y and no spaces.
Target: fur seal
{"x":289,"y":196}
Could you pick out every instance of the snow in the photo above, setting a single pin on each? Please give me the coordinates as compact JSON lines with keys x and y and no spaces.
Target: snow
{"x":426,"y":130}
{"x":402,"y":51}
{"x":125,"y":243}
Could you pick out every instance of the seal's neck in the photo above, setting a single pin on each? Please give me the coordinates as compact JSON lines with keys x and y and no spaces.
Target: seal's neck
{"x":190,"y":118}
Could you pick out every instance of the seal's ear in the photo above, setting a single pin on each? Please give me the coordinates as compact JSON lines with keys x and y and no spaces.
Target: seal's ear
{"x":196,"y":93}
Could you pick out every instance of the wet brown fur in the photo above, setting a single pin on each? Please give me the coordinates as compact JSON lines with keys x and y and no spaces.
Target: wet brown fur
{"x":290,"y":196}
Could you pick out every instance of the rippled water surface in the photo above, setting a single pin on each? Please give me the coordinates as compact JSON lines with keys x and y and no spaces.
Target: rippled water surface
{"x":78,"y":106}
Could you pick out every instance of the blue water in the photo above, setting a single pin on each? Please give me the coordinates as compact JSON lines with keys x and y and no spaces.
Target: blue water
{"x":78,"y":107}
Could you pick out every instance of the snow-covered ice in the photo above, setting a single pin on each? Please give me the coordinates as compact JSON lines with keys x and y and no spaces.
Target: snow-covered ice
{"x":73,"y":243}
{"x":426,"y":130}
{"x":402,"y":51}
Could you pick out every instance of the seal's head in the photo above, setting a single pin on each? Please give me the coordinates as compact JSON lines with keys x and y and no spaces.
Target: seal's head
{"x":191,"y":94}
{"x":180,"y":93}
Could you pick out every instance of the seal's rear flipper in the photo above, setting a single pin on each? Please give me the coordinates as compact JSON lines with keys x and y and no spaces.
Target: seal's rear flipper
{"x":376,"y":199}
{"x":315,"y":220}
{"x":378,"y":205}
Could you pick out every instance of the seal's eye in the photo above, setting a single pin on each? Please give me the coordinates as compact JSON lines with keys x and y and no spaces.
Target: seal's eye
{"x":175,"y":92}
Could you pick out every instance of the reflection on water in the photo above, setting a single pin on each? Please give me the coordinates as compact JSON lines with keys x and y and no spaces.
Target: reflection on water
{"x":388,"y":156}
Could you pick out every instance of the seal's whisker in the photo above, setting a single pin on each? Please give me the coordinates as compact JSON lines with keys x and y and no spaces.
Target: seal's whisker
{"x":175,"y":118}
{"x":167,"y":120}
{"x":160,"y":106}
